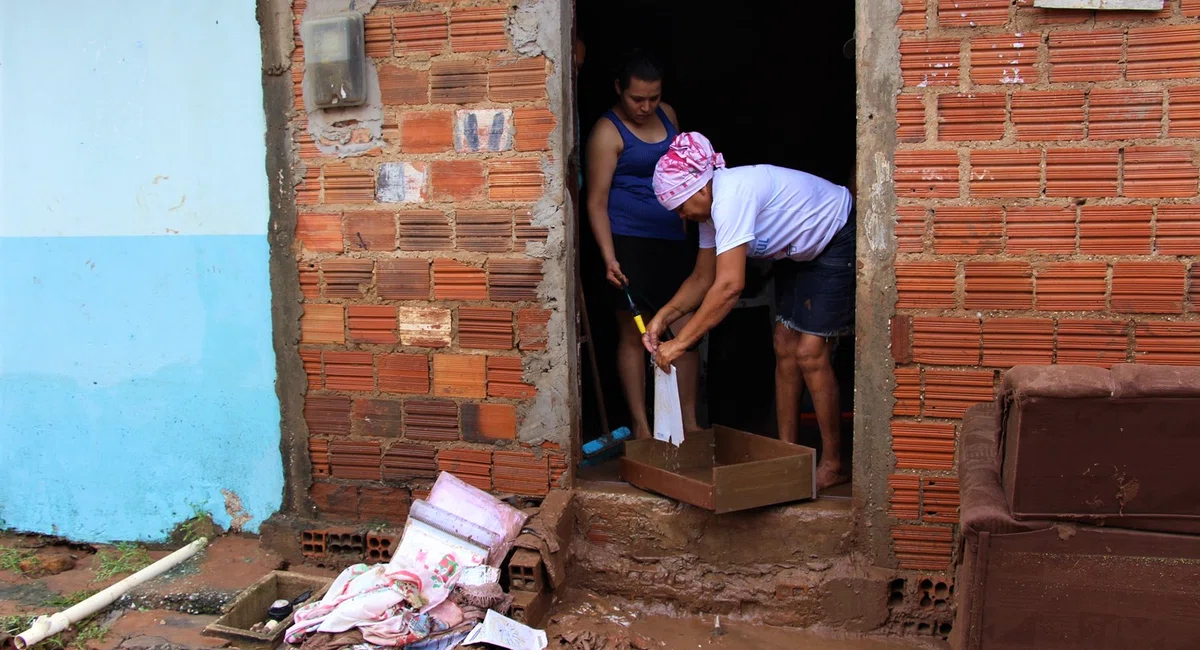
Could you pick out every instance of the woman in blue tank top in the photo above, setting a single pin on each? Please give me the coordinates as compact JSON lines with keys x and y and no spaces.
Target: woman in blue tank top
{"x":642,"y":243}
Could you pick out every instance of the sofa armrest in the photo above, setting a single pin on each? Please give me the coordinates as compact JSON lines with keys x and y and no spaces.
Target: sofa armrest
{"x":982,"y":506}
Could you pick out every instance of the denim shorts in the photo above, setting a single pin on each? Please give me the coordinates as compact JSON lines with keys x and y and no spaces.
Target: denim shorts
{"x":817,"y":296}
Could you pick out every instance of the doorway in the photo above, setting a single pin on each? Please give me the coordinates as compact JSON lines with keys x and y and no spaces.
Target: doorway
{"x":766,"y":83}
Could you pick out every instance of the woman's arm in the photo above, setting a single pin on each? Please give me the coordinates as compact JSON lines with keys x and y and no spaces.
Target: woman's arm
{"x":723,"y":292}
{"x":604,"y":148}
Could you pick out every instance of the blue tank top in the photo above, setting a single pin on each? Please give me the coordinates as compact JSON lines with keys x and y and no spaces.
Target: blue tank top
{"x":633,"y":210}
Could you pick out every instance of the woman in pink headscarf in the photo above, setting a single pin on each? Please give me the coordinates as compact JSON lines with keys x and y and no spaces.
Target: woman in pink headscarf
{"x":805,"y":223}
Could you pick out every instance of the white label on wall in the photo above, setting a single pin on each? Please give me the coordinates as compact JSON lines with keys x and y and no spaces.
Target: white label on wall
{"x":1146,"y":5}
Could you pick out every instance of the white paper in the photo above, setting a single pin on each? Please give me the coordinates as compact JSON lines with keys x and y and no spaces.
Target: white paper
{"x":668,"y":415}
{"x":502,"y":631}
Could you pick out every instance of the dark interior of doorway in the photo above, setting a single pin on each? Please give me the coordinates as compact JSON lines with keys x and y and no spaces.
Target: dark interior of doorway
{"x":766,"y":83}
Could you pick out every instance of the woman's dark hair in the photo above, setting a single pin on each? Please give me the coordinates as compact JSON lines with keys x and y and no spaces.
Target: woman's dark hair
{"x":639,"y":64}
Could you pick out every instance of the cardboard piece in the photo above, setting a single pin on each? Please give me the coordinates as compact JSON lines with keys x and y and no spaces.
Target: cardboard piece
{"x":501,"y":631}
{"x":723,"y":470}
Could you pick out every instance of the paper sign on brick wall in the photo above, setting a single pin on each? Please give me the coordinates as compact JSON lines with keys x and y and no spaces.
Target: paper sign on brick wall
{"x":485,"y":129}
{"x":400,"y":182}
{"x":1146,"y":5}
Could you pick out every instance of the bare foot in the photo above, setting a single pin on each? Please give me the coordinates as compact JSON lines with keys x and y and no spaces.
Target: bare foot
{"x":642,"y":433}
{"x":829,"y":473}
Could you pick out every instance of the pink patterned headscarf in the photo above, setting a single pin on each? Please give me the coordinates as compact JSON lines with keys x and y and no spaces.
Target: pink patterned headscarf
{"x":685,"y":168}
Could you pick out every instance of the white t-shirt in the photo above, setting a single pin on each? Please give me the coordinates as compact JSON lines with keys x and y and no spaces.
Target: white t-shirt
{"x":780,"y":212}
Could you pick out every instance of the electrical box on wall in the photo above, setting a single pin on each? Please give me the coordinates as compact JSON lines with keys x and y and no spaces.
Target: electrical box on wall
{"x":1144,"y":5}
{"x":334,"y":61}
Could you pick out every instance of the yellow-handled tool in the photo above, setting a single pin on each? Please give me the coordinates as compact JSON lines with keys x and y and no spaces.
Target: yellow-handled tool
{"x":637,"y":315}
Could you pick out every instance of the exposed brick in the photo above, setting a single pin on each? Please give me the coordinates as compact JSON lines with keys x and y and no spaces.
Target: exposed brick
{"x":457,"y":180}
{"x":1194,"y":289}
{"x":521,"y":472}
{"x":421,"y":33}
{"x":1009,"y":342}
{"x":1006,"y":174}
{"x":424,"y":327}
{"x":380,"y":418}
{"x":929,"y":62}
{"x":425,"y":230}
{"x":974,"y":116}
{"x":377,"y":35}
{"x":308,"y":191}
{"x":485,"y":231}
{"x":485,"y":328}
{"x":371,"y":323}
{"x":1184,"y":112}
{"x":926,"y":174}
{"x":402,"y":182}
{"x":458,"y":82}
{"x":483,"y":130}
{"x":972,"y":13}
{"x":1081,"y":172}
{"x":405,"y":86}
{"x":1152,"y":172}
{"x":533,"y":128}
{"x":949,"y":393}
{"x":1005,"y":59}
{"x":489,"y":422}
{"x":459,"y":375}
{"x":1040,"y":229}
{"x":426,"y":131}
{"x":912,"y":15}
{"x":356,"y":460}
{"x":1091,"y":55}
{"x":901,"y":328}
{"x":372,"y":230}
{"x":383,"y":504}
{"x":335,"y":501}
{"x":1124,"y":114}
{"x":1115,"y":229}
{"x":312,"y":368}
{"x":352,"y":371}
{"x":1176,"y":344}
{"x":520,"y":80}
{"x":322,"y":324}
{"x":513,"y":280}
{"x":346,"y":277}
{"x":478,"y":29}
{"x":907,"y":392}
{"x":505,"y":378}
{"x":318,"y":455}
{"x":1048,"y":115}
{"x":1177,"y":230}
{"x":532,"y":330}
{"x":515,"y":180}
{"x":904,"y":501}
{"x":1148,"y":287}
{"x":404,"y":461}
{"x":922,"y":548}
{"x":319,"y":232}
{"x":1168,"y":52}
{"x":910,"y":228}
{"x":473,"y":466}
{"x":946,"y":341}
{"x":403,"y":373}
{"x":923,"y":445}
{"x":910,"y":118}
{"x":1191,"y":8}
{"x":310,"y":279}
{"x":999,"y":285}
{"x":344,"y":184}
{"x":402,"y":279}
{"x":970,"y":230}
{"x":1092,"y":342}
{"x":457,"y":281}
{"x":524,"y":231}
{"x":431,"y":419}
{"x":939,"y":500}
{"x":1072,"y":286}
{"x":926,"y":285}
{"x":327,"y":415}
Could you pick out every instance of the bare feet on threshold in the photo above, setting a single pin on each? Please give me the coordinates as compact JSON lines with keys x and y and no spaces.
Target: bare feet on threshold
{"x":830,"y":473}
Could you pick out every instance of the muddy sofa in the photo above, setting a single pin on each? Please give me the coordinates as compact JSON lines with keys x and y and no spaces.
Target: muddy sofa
{"x":1080,"y":511}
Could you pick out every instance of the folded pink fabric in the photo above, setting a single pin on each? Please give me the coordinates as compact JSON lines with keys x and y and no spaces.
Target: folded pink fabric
{"x":685,"y":168}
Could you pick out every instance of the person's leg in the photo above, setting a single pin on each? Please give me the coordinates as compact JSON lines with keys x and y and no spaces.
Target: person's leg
{"x":789,"y":383}
{"x":687,"y":367}
{"x":813,"y":359}
{"x":631,"y":366}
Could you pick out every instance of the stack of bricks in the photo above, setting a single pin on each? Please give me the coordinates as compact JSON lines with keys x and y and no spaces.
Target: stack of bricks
{"x":421,"y":303}
{"x":1046,"y":176}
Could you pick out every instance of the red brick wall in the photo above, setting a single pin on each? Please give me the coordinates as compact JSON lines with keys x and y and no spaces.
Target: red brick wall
{"x":421,"y":316}
{"x":1046,"y":175}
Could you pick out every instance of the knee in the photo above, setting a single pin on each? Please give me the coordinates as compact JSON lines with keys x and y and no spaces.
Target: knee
{"x":812,"y":354}
{"x":785,"y":344}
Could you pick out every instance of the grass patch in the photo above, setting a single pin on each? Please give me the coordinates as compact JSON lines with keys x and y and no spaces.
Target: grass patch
{"x":68,"y":600}
{"x":16,"y":624}
{"x":91,"y":631}
{"x":12,"y":558}
{"x":121,"y":559}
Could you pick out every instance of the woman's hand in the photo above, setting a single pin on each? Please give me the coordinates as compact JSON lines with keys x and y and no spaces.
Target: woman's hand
{"x":614,"y":275}
{"x":654,"y":330}
{"x":667,"y":353}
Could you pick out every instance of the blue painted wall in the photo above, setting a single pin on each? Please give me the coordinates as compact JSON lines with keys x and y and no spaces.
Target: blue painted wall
{"x":136,"y":367}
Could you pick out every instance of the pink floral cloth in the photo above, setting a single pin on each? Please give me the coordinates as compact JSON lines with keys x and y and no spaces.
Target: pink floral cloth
{"x":685,"y":168}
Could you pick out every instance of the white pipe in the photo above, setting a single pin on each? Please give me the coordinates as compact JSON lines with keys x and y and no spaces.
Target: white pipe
{"x":48,"y":626}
